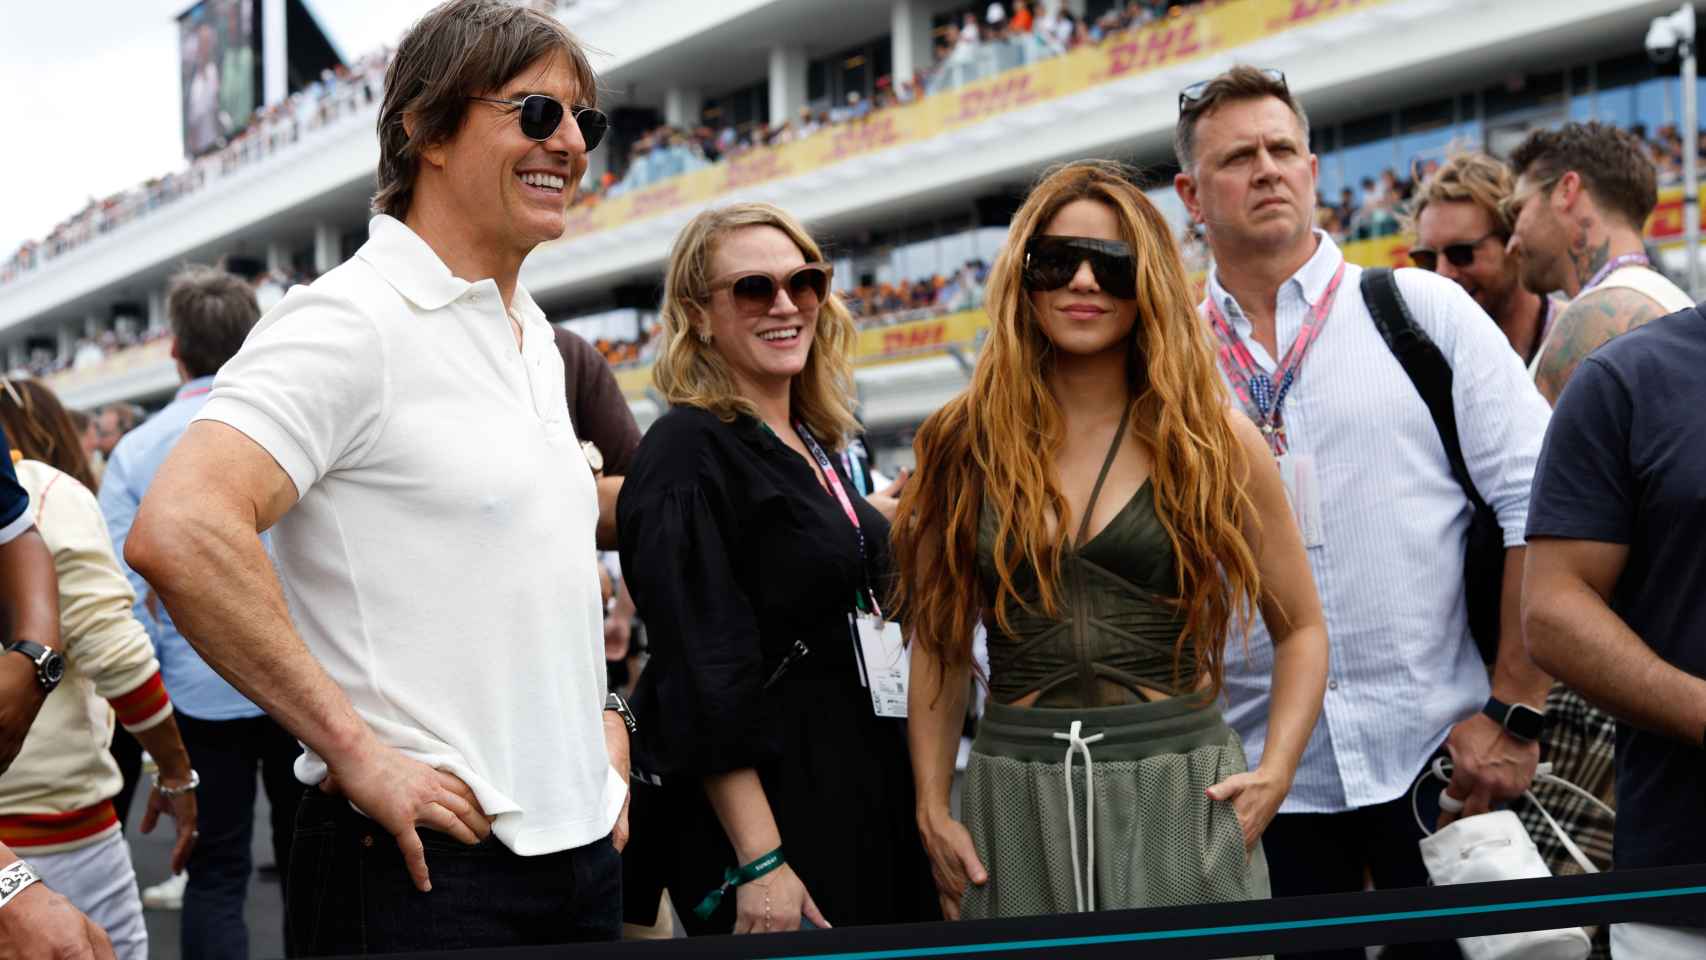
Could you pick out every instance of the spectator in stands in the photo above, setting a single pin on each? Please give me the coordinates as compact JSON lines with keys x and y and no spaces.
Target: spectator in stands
{"x":1461,"y":230}
{"x":1582,"y":196}
{"x":1022,"y":21}
{"x":329,"y":428}
{"x":774,"y":760}
{"x":229,"y":739}
{"x":41,"y":923}
{"x":1092,"y":371}
{"x":1355,"y":439}
{"x":112,"y":422}
{"x":56,"y":797}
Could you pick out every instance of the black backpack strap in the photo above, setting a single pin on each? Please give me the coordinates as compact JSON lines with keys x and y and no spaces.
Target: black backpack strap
{"x":1425,"y":365}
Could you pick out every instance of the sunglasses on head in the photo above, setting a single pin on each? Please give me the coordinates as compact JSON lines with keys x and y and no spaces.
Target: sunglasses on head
{"x":541,"y":115}
{"x":1193,"y":94}
{"x":1052,"y":262}
{"x":1459,"y":255}
{"x":754,"y":292}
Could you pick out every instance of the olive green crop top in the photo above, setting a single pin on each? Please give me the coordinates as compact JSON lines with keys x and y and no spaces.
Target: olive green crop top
{"x":1115,"y":626}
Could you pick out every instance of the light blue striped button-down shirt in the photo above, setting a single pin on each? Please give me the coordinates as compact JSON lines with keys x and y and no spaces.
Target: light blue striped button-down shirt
{"x":1402,"y":666}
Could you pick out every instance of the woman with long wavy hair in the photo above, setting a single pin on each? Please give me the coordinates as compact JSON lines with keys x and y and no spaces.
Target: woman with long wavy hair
{"x":767,"y":788}
{"x":1095,"y":502}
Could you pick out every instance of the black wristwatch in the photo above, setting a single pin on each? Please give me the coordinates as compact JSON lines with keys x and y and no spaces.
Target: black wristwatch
{"x":50,"y":666}
{"x":1519,"y":719}
{"x":613,"y":701}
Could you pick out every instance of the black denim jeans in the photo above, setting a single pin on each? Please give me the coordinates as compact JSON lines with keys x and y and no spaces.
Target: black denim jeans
{"x":228,"y":755}
{"x":350,"y":892}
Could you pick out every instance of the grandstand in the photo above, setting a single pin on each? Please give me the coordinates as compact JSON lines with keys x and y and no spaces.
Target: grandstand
{"x":903,"y":131}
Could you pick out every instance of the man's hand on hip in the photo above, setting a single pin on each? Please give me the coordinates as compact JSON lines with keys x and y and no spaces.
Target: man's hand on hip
{"x":1488,"y":766}
{"x":616,"y":742}
{"x":400,"y":794}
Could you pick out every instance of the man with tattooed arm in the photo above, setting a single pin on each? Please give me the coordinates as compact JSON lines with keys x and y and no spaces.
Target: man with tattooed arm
{"x":1583,"y":193}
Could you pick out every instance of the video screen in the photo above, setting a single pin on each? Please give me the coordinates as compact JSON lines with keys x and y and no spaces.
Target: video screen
{"x":220,"y":70}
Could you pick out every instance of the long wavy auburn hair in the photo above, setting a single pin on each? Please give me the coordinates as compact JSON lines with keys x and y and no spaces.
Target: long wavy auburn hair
{"x":996,"y":443}
{"x":692,"y":372}
{"x":41,"y":429}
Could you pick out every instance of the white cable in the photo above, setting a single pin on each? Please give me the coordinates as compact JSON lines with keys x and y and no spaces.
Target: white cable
{"x":1074,"y":744}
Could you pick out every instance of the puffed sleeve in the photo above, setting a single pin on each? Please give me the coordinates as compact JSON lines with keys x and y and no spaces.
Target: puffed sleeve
{"x":698,"y":703}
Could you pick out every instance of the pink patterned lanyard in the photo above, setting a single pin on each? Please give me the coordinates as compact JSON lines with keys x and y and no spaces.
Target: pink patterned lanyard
{"x":1262,"y":399}
{"x":834,"y":480}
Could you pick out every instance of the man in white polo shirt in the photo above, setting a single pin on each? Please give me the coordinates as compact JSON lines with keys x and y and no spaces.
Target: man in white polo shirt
{"x":400,"y":426}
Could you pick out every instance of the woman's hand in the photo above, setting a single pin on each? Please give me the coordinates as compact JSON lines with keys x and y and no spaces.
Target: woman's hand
{"x":1255,"y":797}
{"x":953,"y":859}
{"x":775,"y":903}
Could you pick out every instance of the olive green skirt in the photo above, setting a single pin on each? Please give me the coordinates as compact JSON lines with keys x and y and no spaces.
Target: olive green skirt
{"x":1137,"y":829}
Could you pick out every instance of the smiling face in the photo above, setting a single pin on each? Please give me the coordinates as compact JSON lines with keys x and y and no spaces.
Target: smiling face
{"x":1541,"y":236}
{"x":1253,"y":182}
{"x":1081,"y":318}
{"x":1491,"y":277}
{"x":761,"y":345}
{"x":509,"y":192}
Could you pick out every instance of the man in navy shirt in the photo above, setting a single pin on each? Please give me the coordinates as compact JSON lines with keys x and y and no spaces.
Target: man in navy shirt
{"x":1616,"y":587}
{"x":29,"y":592}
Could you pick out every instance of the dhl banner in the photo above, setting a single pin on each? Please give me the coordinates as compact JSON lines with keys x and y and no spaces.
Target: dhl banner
{"x":1159,"y":45}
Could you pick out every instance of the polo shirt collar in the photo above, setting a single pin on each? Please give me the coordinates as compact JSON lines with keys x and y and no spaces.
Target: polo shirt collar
{"x":405,"y":261}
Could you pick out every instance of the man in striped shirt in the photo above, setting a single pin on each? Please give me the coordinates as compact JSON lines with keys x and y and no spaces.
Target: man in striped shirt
{"x":1382,"y":516}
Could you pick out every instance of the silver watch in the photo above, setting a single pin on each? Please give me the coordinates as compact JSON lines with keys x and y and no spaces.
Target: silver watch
{"x":14,"y":878}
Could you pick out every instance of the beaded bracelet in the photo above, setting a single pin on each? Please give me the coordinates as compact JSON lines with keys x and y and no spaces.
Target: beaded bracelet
{"x":733,"y":877}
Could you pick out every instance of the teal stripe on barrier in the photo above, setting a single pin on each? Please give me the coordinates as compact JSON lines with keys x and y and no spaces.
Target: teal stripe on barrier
{"x":1246,"y":927}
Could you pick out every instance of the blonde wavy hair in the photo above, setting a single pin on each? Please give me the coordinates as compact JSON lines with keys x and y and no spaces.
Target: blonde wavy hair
{"x":692,"y":372}
{"x":996,"y":443}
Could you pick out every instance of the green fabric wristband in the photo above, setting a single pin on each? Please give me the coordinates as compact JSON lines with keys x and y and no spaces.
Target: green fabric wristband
{"x":733,"y":877}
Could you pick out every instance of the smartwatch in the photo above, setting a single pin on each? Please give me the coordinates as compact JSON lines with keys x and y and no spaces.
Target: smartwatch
{"x":594,"y":458}
{"x":1519,"y":719}
{"x":50,"y":666}
{"x":614,"y":702}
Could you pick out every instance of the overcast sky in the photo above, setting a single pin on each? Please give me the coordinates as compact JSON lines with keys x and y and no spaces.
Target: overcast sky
{"x":90,"y":100}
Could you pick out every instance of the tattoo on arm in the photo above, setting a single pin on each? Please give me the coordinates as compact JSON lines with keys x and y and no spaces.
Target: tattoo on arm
{"x":1584,"y":327}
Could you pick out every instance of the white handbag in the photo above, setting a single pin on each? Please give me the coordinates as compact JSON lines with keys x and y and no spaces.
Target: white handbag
{"x":1495,"y":846}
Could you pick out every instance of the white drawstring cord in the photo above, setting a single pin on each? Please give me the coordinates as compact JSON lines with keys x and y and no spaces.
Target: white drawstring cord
{"x":1075,"y":743}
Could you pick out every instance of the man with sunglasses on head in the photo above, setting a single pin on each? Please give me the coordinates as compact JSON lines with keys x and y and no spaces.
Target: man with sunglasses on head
{"x":1583,"y":194}
{"x":433,"y":634}
{"x":1461,"y":230}
{"x":1382,"y":515}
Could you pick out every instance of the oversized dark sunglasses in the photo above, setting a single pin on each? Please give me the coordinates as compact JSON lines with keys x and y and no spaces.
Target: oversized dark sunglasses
{"x":1052,"y":262}
{"x":1191,"y":95}
{"x":755,"y":291}
{"x":1459,"y":255}
{"x":540,"y":116}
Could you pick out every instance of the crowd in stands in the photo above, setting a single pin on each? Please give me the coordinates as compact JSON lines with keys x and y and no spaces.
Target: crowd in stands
{"x":1008,"y":35}
{"x":336,"y":94}
{"x":1665,"y":148}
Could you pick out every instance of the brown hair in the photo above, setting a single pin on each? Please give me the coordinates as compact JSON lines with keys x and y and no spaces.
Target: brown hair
{"x":211,"y":312}
{"x":460,"y":49}
{"x":690,"y":371}
{"x":1612,"y":163}
{"x":994,"y":445}
{"x":1236,"y":85}
{"x":1476,"y":178}
{"x":39,"y":428}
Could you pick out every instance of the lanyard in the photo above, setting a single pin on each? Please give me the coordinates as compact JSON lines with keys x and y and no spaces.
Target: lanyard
{"x":834,"y":480}
{"x":1613,"y":265}
{"x":1255,"y":389}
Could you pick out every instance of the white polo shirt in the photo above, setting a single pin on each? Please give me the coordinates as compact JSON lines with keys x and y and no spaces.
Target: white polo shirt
{"x":440,"y":560}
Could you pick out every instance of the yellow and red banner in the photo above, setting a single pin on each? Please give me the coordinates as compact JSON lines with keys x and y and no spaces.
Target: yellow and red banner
{"x":1157,"y":46}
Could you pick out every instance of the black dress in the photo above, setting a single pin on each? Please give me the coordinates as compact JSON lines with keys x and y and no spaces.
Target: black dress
{"x":733,"y":552}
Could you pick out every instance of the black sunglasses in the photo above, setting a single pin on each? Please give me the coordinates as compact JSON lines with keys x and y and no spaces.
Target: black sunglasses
{"x":1193,"y":94}
{"x":540,"y":115}
{"x":1052,"y":262}
{"x":1459,"y":255}
{"x":753,"y":292}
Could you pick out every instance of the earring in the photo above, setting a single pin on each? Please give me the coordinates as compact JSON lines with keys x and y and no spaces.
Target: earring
{"x":704,"y":336}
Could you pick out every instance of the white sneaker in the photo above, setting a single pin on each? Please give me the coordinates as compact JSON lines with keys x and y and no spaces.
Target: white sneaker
{"x":167,"y":894}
